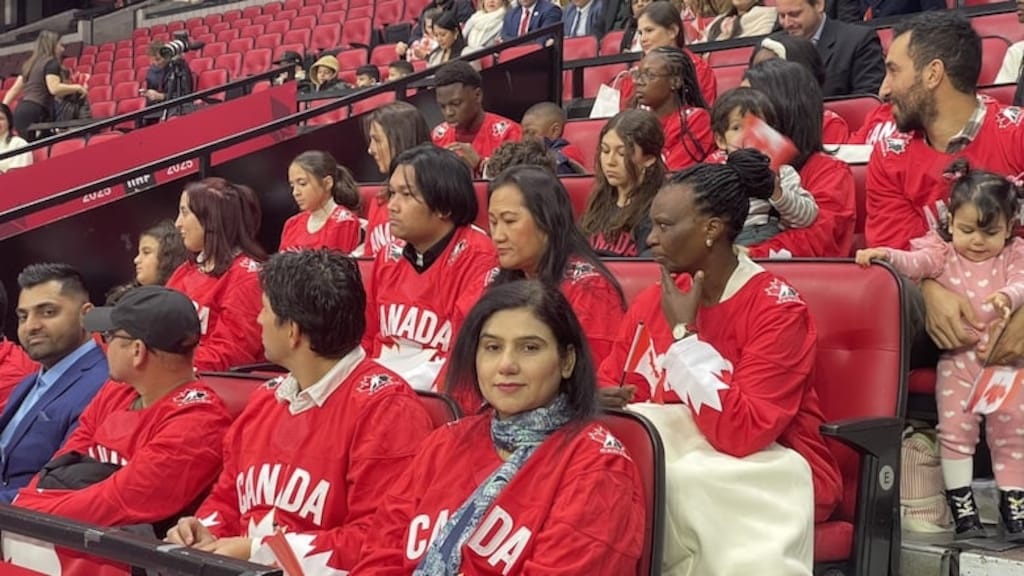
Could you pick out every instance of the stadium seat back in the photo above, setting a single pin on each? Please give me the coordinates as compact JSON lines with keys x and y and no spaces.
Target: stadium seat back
{"x":232,"y":62}
{"x":241,"y":45}
{"x":1003,"y":24}
{"x":228,"y":35}
{"x":66,"y":146}
{"x":1003,"y":93}
{"x":301,"y":36}
{"x":860,"y":174}
{"x":585,"y":135}
{"x":234,"y":388}
{"x":268,"y":41}
{"x":357,"y":32}
{"x":256,"y":61}
{"x":993,"y":49}
{"x":579,"y":188}
{"x":730,"y":57}
{"x":854,"y":109}
{"x":643,"y":443}
{"x":729,"y":77}
{"x":441,"y":409}
{"x":277,"y":27}
{"x":126,"y":90}
{"x":610,"y":43}
{"x":326,"y":36}
{"x":579,"y":48}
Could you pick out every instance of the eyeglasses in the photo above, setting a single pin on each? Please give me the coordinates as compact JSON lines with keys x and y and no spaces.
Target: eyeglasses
{"x":111,"y":335}
{"x":645,"y":76}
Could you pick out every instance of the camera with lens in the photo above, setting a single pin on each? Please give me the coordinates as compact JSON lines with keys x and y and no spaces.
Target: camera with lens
{"x":181,"y":44}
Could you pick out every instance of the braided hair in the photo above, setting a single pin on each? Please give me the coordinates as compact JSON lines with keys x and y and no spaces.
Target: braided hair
{"x":688,"y":94}
{"x":725,"y":190}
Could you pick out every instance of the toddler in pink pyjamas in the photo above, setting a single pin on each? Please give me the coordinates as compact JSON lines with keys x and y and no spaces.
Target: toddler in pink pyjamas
{"x":977,"y":257}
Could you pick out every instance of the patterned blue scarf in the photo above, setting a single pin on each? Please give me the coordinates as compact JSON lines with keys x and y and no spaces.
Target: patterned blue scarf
{"x":520,"y":435}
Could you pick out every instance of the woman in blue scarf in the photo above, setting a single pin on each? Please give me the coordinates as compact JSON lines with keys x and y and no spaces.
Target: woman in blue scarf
{"x":531,"y":484}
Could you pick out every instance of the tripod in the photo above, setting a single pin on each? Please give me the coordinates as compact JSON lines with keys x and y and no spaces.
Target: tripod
{"x":177,"y":83}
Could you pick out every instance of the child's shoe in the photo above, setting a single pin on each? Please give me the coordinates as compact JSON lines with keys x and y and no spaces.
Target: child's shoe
{"x":965,"y":514}
{"x":1011,"y":512}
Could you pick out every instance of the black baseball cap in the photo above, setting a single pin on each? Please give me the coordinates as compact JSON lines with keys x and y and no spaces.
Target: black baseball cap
{"x":162,"y":318}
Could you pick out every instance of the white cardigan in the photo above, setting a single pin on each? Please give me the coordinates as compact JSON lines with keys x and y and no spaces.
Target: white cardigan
{"x":758,"y":21}
{"x":19,"y":161}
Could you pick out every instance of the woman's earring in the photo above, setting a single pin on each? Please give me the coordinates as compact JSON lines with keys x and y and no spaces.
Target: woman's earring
{"x":708,"y":242}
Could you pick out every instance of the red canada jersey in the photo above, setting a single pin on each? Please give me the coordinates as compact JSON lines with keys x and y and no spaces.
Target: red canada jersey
{"x":705,"y":78}
{"x":495,"y":131}
{"x":378,"y":229}
{"x":15,"y":365}
{"x":907,"y":193}
{"x":878,"y":126}
{"x":834,"y":129}
{"x":340,"y":232}
{"x":412,"y":317}
{"x":756,"y":386}
{"x":177,"y":438}
{"x":830,"y":181}
{"x":596,"y":303}
{"x":684,"y":149}
{"x":227,"y":308}
{"x":575,"y":507}
{"x":317,"y":475}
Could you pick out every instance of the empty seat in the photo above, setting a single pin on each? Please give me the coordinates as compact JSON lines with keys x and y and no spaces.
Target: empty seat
{"x":200,"y":65}
{"x":104,"y":56}
{"x":993,"y":49}
{"x":357,"y":32}
{"x":579,"y":48}
{"x":263,"y":19}
{"x":272,"y":8}
{"x":206,"y":38}
{"x":211,"y":19}
{"x":280,"y":50}
{"x":198,"y":30}
{"x":387,"y":13}
{"x":335,"y":6}
{"x":326,"y":36}
{"x":854,"y":110}
{"x":361,"y":12}
{"x":98,"y":80}
{"x":123,"y":53}
{"x":102,"y":109}
{"x":119,"y":76}
{"x":371,"y":103}
{"x":241,"y":23}
{"x":66,"y":146}
{"x":232,"y":15}
{"x":297,"y":37}
{"x":193,"y":22}
{"x":252,"y":31}
{"x":314,"y":11}
{"x":157,"y":29}
{"x":256,"y":61}
{"x":241,"y":45}
{"x":286,"y":15}
{"x":277,"y":27}
{"x":220,"y":27}
{"x":211,"y":79}
{"x":103,"y":68}
{"x":87,"y":59}
{"x":123,"y":64}
{"x":303,"y":22}
{"x":227,"y":35}
{"x":215,"y":49}
{"x":102,"y":137}
{"x":351,"y":59}
{"x":332,"y":18}
{"x":176,"y":26}
{"x":292,"y":5}
{"x":268,"y":41}
{"x":1003,"y":24}
{"x":729,"y":77}
{"x":126,"y":90}
{"x":100,"y":93}
{"x":585,"y":135}
{"x":251,"y":12}
{"x":383,"y":55}
{"x":730,"y":57}
{"x":231,"y":62}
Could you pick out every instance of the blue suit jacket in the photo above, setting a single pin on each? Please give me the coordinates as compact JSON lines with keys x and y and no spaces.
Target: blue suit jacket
{"x":53,"y":418}
{"x":544,"y":14}
{"x":595,"y":20}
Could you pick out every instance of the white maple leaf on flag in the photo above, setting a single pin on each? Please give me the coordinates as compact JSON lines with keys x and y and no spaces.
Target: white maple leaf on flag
{"x":418,"y":365}
{"x":697,"y":375}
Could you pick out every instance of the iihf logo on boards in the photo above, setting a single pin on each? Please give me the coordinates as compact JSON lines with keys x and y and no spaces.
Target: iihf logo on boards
{"x":139,"y":183}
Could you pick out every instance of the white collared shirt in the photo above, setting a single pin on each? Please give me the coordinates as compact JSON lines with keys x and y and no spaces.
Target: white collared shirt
{"x":317,"y":394}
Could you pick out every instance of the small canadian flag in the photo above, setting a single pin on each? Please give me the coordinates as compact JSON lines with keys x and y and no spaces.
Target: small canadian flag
{"x":994,"y":387}
{"x":643,"y":360}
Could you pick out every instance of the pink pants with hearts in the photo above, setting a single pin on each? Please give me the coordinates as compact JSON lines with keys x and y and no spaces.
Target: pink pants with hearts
{"x":959,"y":430}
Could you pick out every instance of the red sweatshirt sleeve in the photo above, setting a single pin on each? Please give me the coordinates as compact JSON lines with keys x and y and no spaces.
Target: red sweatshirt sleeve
{"x":219,"y":512}
{"x":742,"y":409}
{"x":388,"y":436}
{"x":372,"y":313}
{"x":600,"y":310}
{"x":831,"y":235}
{"x":705,"y":77}
{"x":596,"y":523}
{"x":235,"y":339}
{"x":344,"y":235}
{"x":127,"y":496}
{"x":891,"y":220}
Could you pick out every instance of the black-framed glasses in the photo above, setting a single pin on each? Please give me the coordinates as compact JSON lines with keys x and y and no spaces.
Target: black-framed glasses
{"x":111,"y":335}
{"x":645,"y":76}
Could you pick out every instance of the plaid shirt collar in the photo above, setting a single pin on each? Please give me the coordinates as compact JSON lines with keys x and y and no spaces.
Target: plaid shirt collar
{"x":970,"y":130}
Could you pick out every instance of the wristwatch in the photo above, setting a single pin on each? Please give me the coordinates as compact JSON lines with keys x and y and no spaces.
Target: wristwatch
{"x":683,"y":330}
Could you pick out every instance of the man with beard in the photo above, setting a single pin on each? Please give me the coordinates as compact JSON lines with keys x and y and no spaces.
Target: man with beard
{"x":932,"y":73}
{"x":43,"y":409}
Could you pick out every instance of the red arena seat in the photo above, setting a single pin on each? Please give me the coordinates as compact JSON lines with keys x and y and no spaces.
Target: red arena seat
{"x":854,"y":109}
{"x":585,"y":135}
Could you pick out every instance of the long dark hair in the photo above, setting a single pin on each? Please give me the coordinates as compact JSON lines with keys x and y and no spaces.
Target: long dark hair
{"x":688,"y":95}
{"x":798,"y":103}
{"x":799,"y":50}
{"x":450,"y":22}
{"x":549,"y":306}
{"x":664,"y":14}
{"x":993,"y":195}
{"x":320,"y":165}
{"x":637,"y":129}
{"x":230,"y":216}
{"x":548,"y":204}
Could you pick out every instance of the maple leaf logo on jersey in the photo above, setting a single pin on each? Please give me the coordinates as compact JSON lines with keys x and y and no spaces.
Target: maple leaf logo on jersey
{"x":499,"y":128}
{"x":192,"y":396}
{"x":1009,"y":116}
{"x":895,"y":144}
{"x":250,"y":265}
{"x":374,"y":383}
{"x":419,"y":366}
{"x":459,"y":249}
{"x":441,"y":130}
{"x":609,"y":443}
{"x":707,"y":371}
{"x":783,"y":292}
{"x":342,"y":215}
{"x":579,"y":270}
{"x":310,"y":561}
{"x":395,"y":251}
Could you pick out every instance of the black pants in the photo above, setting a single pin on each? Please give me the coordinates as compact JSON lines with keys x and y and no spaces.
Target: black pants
{"x":26,"y":114}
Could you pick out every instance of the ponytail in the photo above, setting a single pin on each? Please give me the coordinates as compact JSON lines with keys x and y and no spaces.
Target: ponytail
{"x":345,"y":191}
